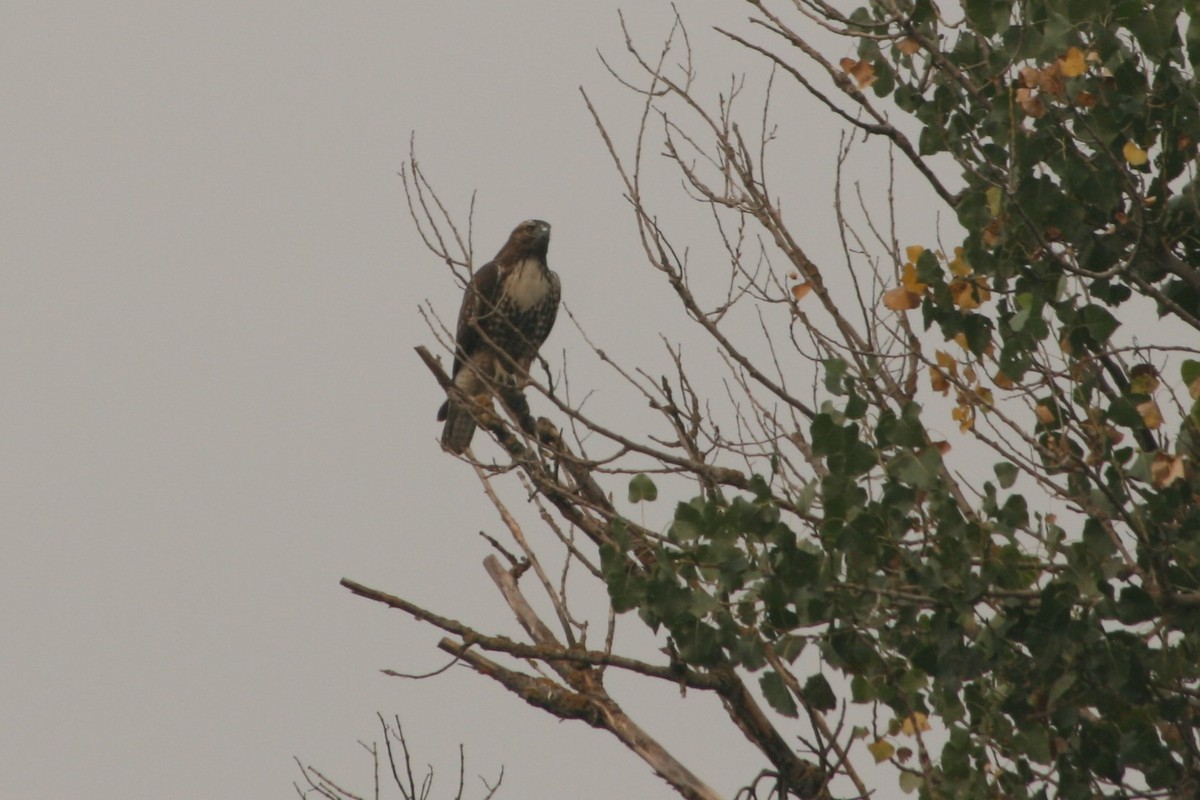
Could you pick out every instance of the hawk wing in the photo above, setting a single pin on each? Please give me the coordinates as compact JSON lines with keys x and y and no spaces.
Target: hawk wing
{"x":479,"y":298}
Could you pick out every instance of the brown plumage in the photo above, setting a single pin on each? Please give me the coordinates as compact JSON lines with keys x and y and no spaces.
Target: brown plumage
{"x":507,"y":312}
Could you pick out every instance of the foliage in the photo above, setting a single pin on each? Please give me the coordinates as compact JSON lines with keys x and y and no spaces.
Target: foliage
{"x":1031,"y":629}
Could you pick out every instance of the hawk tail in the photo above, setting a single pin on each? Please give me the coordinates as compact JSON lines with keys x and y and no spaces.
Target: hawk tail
{"x":459,"y":428}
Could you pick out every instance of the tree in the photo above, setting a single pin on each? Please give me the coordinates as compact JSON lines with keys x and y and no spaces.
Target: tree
{"x":1013,"y":611}
{"x":394,"y":764}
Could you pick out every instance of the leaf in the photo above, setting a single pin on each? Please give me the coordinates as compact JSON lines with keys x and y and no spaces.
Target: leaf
{"x":1006,"y":473}
{"x":819,"y":694}
{"x":1190,"y":372}
{"x":1031,"y":103}
{"x":777,"y":694}
{"x":1143,"y":379}
{"x":642,"y":488}
{"x":911,"y":781}
{"x":1151,"y":414}
{"x":920,"y":471}
{"x":938,"y":381}
{"x":882,"y":749}
{"x":862,"y":71}
{"x":1134,"y":154}
{"x":900,"y":299}
{"x":909,"y":280}
{"x":1073,"y":63}
{"x":908,"y":45}
{"x":1136,"y":605}
{"x":801,"y":290}
{"x":835,"y":372}
{"x":1098,"y":322}
{"x":993,"y":196}
{"x":1166,"y":469}
{"x":965,"y":417}
{"x":913,"y":723}
{"x":969,"y":294}
{"x":957,"y":265}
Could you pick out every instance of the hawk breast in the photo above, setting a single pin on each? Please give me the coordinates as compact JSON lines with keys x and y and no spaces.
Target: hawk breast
{"x":528,"y":285}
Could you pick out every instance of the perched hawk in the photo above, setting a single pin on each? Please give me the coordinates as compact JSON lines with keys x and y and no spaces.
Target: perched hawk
{"x":507,"y":312}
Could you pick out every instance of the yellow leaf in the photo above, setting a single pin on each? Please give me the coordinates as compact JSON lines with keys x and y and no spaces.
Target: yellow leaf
{"x":882,"y":749}
{"x":969,"y":294}
{"x":993,"y":232}
{"x":800,"y":290}
{"x":1050,"y":79}
{"x":946,"y":361}
{"x":862,"y":71}
{"x":964,"y":416}
{"x":913,"y":252}
{"x":1134,"y":154}
{"x":993,"y":196}
{"x":960,"y":339}
{"x":901,"y":299}
{"x":938,"y":380}
{"x":1143,"y":379}
{"x":1166,"y":469}
{"x":908,"y":278}
{"x":1044,"y":413}
{"x":1151,"y":415}
{"x":1073,"y":64}
{"x":908,"y":46}
{"x":1003,"y":381}
{"x":958,"y":266}
{"x":913,"y":723}
{"x":942,"y":447}
{"x":1031,"y":103}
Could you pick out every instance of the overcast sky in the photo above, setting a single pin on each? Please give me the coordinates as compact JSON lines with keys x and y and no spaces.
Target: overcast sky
{"x":211,"y":408}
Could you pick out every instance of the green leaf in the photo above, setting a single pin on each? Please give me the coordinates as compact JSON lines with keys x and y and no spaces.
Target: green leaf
{"x":911,"y":781}
{"x":777,"y":694}
{"x":919,"y":470}
{"x":1006,"y":473}
{"x":1034,"y":742}
{"x":642,"y":488}
{"x":1189,"y":370}
{"x":835,"y":371}
{"x":1136,"y":605}
{"x":1091,"y":327}
{"x":904,"y":431}
{"x":790,"y":647}
{"x":819,"y":694}
{"x":882,"y":749}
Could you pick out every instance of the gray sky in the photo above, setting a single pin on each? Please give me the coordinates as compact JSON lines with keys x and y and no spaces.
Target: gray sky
{"x":212,"y":411}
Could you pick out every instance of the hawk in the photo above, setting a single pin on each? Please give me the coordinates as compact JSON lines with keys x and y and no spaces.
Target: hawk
{"x":507,"y":312}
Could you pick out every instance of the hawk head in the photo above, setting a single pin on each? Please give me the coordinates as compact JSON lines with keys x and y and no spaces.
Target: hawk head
{"x":530,"y":238}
